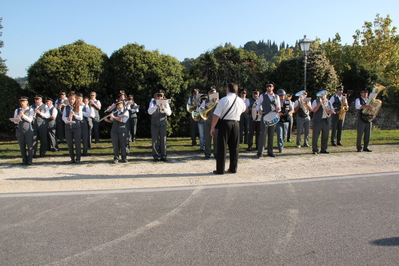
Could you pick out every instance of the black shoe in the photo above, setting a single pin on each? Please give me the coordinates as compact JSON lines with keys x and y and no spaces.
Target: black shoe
{"x":77,"y":161}
{"x":73,"y":161}
{"x":207,"y":157}
{"x":359,"y":150}
{"x":164,"y":159}
{"x":325,"y":152}
{"x":115,"y":161}
{"x":217,"y":173}
{"x":156,"y":160}
{"x":233,"y":172}
{"x":340,"y":144}
{"x":306,"y":145}
{"x":258,"y":155}
{"x":123,"y":161}
{"x":334,"y":144}
{"x":271,"y":155}
{"x":367,"y":150}
{"x":315,"y":152}
{"x":249,"y":149}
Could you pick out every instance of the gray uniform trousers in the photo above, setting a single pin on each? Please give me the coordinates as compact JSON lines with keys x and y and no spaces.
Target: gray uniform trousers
{"x":269,"y":131}
{"x":85,"y":135}
{"x":24,"y":134}
{"x":322,"y":126}
{"x":73,"y":135}
{"x":303,"y":126}
{"x":363,"y":128}
{"x":118,"y":139}
{"x":209,"y":139}
{"x":336,"y":129}
{"x":158,"y":134}
{"x":51,"y":131}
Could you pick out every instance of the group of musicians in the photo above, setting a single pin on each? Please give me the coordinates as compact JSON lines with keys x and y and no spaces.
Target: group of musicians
{"x":76,"y":119}
{"x":269,"y":113}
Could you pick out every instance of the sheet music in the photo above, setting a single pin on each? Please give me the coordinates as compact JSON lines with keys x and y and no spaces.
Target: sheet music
{"x":213,"y":96}
{"x":162,"y":101}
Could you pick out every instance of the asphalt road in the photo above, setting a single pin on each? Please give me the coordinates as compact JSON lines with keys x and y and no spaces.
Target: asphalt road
{"x":351,"y":220}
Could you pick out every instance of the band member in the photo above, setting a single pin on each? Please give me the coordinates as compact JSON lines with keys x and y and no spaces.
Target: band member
{"x":201,"y":124}
{"x":228,"y":113}
{"x":290,"y":117}
{"x":268,"y":102}
{"x":24,"y":131}
{"x":254,"y":120}
{"x":302,"y":109}
{"x":121,"y":98}
{"x":40,"y":125}
{"x":96,"y":104}
{"x":84,"y":127}
{"x":159,"y":114}
{"x":60,"y":103}
{"x":287,"y":109}
{"x":52,"y":125}
{"x":322,"y":111}
{"x":89,"y":115}
{"x":210,"y":103}
{"x":338,"y":101}
{"x":363,"y":127}
{"x":72,"y":116}
{"x":118,"y":118}
{"x":133,"y":110}
{"x":244,"y":120}
{"x":192,"y":100}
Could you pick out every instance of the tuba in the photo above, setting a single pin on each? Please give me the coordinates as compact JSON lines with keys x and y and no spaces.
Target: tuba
{"x":370,"y":115}
{"x":205,"y":111}
{"x":196,"y":115}
{"x":191,"y":107}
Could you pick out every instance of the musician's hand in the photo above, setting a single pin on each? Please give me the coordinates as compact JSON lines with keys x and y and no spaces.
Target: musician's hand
{"x":330,"y":112}
{"x":20,"y":114}
{"x":260,"y":112}
{"x":112,"y":115}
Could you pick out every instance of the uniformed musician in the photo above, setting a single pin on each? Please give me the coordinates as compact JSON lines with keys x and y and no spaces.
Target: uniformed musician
{"x":52,"y":125}
{"x":60,"y":103}
{"x":24,"y":131}
{"x":209,"y":140}
{"x":133,"y":110}
{"x":72,"y":116}
{"x":118,"y":118}
{"x":254,"y":122}
{"x":40,"y":125}
{"x":159,"y":114}
{"x":96,"y":104}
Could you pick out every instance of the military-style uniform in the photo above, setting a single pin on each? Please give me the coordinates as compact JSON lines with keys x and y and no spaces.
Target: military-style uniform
{"x":59,"y":104}
{"x":73,"y":133}
{"x":24,"y":134}
{"x":119,"y":133}
{"x":40,"y":127}
{"x":52,"y":128}
{"x":158,"y":129}
{"x":321,"y":122}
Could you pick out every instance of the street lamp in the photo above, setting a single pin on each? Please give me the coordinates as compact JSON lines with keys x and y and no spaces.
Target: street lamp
{"x":305,"y":46}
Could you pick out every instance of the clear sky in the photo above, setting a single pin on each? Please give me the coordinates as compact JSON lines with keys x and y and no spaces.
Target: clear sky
{"x":180,"y":28}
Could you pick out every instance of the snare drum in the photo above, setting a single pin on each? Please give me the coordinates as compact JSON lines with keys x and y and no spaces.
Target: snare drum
{"x":255,"y":115}
{"x":271,"y":119}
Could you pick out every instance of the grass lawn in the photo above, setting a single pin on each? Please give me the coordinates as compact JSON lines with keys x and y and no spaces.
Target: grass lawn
{"x":10,"y":154}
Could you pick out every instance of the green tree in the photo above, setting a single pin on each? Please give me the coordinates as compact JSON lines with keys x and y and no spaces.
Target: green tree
{"x":140,"y":72}
{"x":78,"y":67}
{"x":231,"y":64}
{"x":10,"y":93}
{"x":3,"y":67}
{"x":289,"y":75}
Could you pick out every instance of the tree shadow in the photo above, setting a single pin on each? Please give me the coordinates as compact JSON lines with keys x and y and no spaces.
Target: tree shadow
{"x":386,"y":242}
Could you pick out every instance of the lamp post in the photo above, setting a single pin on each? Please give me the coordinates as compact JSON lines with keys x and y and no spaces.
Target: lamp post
{"x":305,"y":46}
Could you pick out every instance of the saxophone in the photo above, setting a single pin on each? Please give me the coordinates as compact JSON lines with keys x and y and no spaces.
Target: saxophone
{"x":370,"y":115}
{"x":344,"y":107}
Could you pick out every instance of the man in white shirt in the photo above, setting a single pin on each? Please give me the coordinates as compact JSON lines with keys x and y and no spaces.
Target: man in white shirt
{"x":227,"y":113}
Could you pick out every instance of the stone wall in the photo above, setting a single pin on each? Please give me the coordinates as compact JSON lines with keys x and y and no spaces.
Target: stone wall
{"x":386,"y":119}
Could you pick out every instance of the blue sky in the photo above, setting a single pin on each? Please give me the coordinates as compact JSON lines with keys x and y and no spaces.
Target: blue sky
{"x":183,"y":29}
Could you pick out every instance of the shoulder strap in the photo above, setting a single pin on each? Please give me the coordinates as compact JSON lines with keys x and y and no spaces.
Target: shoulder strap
{"x":229,"y":108}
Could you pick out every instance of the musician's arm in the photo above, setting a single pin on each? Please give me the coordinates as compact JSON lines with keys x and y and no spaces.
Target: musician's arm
{"x":152,"y":108}
{"x":316,"y":106}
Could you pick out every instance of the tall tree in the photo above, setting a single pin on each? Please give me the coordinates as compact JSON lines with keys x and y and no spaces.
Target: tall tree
{"x":140,"y":72}
{"x":3,"y":67}
{"x":231,"y":64}
{"x":77,"y":66}
{"x":289,"y":75}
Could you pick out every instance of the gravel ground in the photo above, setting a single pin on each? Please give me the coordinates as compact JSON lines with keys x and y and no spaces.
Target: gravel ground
{"x":56,"y":174}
